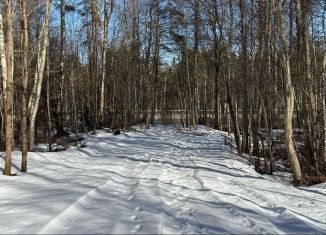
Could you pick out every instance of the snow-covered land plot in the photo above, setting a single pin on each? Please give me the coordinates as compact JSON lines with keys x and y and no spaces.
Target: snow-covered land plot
{"x":162,"y":180}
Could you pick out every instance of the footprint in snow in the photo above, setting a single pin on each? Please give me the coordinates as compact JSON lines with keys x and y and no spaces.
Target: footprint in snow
{"x":203,"y":230}
{"x":191,"y":212}
{"x":137,"y":228}
{"x":138,"y":209}
{"x":133,"y":218}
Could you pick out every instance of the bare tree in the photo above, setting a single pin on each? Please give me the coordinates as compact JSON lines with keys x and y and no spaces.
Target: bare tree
{"x":244,"y":61}
{"x":309,"y":103}
{"x":105,"y":25}
{"x":3,"y":58}
{"x":289,"y":96}
{"x":39,"y":73}
{"x":156,"y":60}
{"x":9,"y":87}
{"x":24,"y":81}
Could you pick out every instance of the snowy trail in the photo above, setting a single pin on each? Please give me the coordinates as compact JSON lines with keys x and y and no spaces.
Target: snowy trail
{"x":161,"y":181}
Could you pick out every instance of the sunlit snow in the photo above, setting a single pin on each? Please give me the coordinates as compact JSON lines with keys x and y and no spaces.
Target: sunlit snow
{"x":163,"y":181}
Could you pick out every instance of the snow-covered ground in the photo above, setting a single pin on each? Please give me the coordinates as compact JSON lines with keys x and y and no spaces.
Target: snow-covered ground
{"x":162,"y":180}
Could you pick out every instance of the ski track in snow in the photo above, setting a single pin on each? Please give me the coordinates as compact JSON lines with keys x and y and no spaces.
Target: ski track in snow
{"x":162,"y":181}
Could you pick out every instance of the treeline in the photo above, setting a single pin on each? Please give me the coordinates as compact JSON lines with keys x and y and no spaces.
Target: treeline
{"x":246,"y":66}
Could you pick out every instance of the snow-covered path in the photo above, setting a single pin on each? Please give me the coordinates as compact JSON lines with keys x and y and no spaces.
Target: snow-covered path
{"x":161,"y":180}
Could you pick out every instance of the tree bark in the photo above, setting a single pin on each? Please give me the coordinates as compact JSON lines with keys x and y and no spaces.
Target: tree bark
{"x":24,"y":80}
{"x":244,"y":61}
{"x":324,"y":106}
{"x":3,"y":65}
{"x":39,"y":74}
{"x":48,"y":105}
{"x":156,"y":60}
{"x":196,"y":52}
{"x":289,"y":97}
{"x":309,"y":105}
{"x":107,"y":17}
{"x":10,"y":87}
{"x":3,"y":58}
{"x":190,"y":94}
{"x":62,"y":61}
{"x":94,"y":61}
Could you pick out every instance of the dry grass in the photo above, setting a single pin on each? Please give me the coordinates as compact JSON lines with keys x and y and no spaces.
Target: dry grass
{"x":312,"y":180}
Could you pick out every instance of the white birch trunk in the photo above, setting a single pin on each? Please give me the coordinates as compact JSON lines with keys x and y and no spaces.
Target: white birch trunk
{"x":105,"y":27}
{"x":39,"y":73}
{"x":24,"y":82}
{"x":104,"y":41}
{"x":9,"y":88}
{"x":3,"y":60}
{"x":3,"y":66}
{"x":324,"y":104}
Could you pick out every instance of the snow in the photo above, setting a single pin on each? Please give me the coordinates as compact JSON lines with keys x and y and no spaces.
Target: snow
{"x":162,"y":181}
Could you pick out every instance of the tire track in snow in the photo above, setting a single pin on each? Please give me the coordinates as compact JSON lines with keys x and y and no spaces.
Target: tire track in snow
{"x":181,"y":200}
{"x":54,"y":222}
{"x":157,"y":189}
{"x":271,"y":206}
{"x":238,"y":215}
{"x":179,"y":163}
{"x":229,"y":207}
{"x":180,"y":212}
{"x":137,"y":215}
{"x":82,"y":202}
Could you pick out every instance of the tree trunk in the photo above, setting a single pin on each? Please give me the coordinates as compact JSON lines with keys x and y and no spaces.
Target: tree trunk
{"x":72,"y":84}
{"x":3,"y":59}
{"x":24,"y":87}
{"x":324,"y":106}
{"x":232,"y":108}
{"x":244,"y":61}
{"x":39,"y":74}
{"x":48,"y":105}
{"x":196,"y":50}
{"x":190,"y":94}
{"x":62,"y":60}
{"x":107,"y":17}
{"x":234,"y":119}
{"x":156,"y":61}
{"x":10,"y":88}
{"x":3,"y":63}
{"x":94,"y":60}
{"x":309,"y":106}
{"x":289,"y":97}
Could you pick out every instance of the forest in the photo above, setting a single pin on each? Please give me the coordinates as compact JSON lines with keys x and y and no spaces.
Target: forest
{"x":253,"y":68}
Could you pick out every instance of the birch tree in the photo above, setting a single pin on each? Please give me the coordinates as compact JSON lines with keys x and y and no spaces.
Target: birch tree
{"x":24,"y":81}
{"x":9,"y":85}
{"x":3,"y":65}
{"x":105,"y":25}
{"x":34,"y":99}
{"x":3,"y":69}
{"x":324,"y":106}
{"x":93,"y":66}
{"x":3,"y":58}
{"x":156,"y":59}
